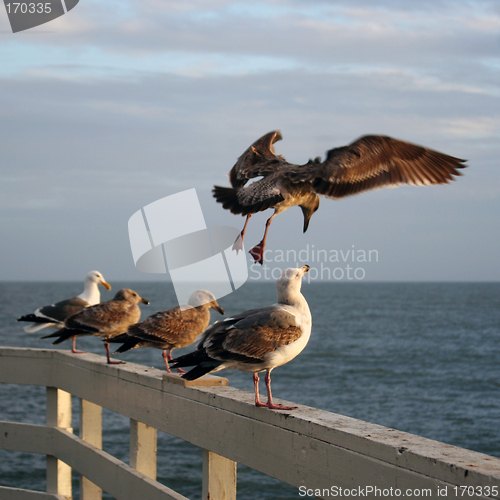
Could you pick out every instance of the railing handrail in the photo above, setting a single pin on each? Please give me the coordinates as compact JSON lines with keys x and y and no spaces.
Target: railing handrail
{"x":311,"y":448}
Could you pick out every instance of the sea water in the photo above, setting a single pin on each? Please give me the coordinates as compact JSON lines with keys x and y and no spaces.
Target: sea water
{"x":419,"y":357}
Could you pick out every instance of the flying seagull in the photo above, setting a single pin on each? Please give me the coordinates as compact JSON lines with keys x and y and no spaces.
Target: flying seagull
{"x":371,"y":162}
{"x":53,"y":316}
{"x":257,"y":340}
{"x":107,"y":319}
{"x":173,"y":328}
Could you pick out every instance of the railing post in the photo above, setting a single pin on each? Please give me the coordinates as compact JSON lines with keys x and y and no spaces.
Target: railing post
{"x":219,"y":477}
{"x":58,"y":415}
{"x":143,"y":448}
{"x":91,"y":432}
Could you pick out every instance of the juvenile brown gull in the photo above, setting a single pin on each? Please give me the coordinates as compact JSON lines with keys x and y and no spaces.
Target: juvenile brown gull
{"x":257,"y":340}
{"x":173,"y":328}
{"x":371,"y":162}
{"x":107,"y":319}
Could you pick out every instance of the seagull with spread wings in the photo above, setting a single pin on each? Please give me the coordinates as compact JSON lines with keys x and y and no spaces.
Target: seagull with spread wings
{"x":371,"y":162}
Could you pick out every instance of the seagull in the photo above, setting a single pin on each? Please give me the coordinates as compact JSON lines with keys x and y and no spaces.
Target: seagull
{"x":53,"y":316}
{"x":173,"y":328}
{"x":257,"y":340}
{"x":370,"y":162}
{"x":107,"y":319}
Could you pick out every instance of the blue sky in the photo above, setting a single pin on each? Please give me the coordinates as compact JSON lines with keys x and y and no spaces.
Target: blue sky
{"x":117,"y":104}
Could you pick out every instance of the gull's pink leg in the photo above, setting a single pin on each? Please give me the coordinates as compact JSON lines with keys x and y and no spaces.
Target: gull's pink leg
{"x":257,"y":252}
{"x":73,"y":348}
{"x":258,"y":402}
{"x":238,"y":244}
{"x":165,"y":358}
{"x":179,"y":370}
{"x":270,"y":403}
{"x":110,"y":362}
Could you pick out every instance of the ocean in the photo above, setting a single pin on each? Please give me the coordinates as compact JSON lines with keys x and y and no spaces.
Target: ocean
{"x":418,"y":357}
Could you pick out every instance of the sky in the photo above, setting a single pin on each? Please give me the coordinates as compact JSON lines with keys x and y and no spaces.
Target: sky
{"x":120,"y":103}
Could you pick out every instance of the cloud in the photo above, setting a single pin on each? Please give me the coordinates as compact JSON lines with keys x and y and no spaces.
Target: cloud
{"x":307,"y":33}
{"x":127,"y":102}
{"x":473,"y":128}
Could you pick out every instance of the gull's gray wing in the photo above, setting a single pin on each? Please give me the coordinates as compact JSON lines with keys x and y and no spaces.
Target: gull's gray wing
{"x":249,"y":336}
{"x":259,"y":159}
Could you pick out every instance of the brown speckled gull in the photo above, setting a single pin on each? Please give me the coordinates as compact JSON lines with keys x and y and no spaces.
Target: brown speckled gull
{"x":107,"y":319}
{"x":173,"y":328}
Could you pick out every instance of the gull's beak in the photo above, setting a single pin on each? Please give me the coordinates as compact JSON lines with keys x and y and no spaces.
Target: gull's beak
{"x":305,"y":269}
{"x":309,"y":209}
{"x":307,"y":217}
{"x":145,"y":301}
{"x":218,"y":308}
{"x":105,"y":285}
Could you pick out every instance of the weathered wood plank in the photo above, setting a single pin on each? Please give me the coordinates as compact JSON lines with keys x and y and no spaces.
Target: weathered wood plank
{"x":143,"y":448}
{"x":58,"y":415}
{"x":113,"y":476}
{"x":205,"y":381}
{"x":20,"y":494}
{"x":219,"y":477}
{"x":89,"y":490}
{"x":91,"y":423}
{"x":172,"y":409}
{"x":310,"y":447}
{"x":91,"y":432}
{"x":32,"y":360}
{"x":117,"y":478}
{"x":28,"y":438}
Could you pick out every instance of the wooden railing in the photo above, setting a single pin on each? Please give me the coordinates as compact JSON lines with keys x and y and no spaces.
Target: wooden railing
{"x":320,"y":453}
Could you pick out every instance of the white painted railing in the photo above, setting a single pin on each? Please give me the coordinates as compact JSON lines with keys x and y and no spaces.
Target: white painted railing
{"x":318,"y":452}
